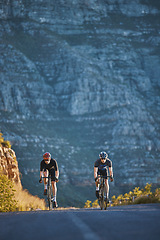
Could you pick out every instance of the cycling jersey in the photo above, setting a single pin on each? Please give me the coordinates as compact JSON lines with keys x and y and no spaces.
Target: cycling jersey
{"x":102,"y":167}
{"x":51,"y":167}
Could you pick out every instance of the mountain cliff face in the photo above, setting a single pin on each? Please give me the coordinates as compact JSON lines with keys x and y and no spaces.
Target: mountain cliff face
{"x":9,"y":165}
{"x":78,"y":77}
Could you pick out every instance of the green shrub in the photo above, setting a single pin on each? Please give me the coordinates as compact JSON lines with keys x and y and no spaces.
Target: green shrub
{"x":157,"y":194}
{"x":87,"y":204}
{"x":146,"y":199}
{"x":136,"y":196}
{"x":95,"y":204}
{"x":3,"y":142}
{"x":1,"y":138}
{"x":147,"y":190}
{"x":6,"y":144}
{"x":7,"y":200}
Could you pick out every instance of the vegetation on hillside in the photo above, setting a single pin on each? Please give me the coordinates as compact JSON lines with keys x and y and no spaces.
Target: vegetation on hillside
{"x":8,"y":202}
{"x":136,"y":196}
{"x":3,"y":142}
{"x":12,"y":196}
{"x":28,"y":202}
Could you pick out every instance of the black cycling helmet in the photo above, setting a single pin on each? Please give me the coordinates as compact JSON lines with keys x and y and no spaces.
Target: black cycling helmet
{"x":103,"y":155}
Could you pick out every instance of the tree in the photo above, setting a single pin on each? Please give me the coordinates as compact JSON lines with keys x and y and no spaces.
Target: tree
{"x":7,"y":200}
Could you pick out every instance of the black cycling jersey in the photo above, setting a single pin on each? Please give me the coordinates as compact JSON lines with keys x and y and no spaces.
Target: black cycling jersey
{"x":102,"y":167}
{"x":51,"y":167}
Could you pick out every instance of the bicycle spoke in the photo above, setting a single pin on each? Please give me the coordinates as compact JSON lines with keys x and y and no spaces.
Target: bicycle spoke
{"x":102,"y":195}
{"x":49,"y":193}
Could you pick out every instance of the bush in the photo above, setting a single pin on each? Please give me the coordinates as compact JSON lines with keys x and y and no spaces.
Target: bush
{"x":146,"y":199}
{"x":1,"y":138}
{"x":95,"y":204}
{"x":6,"y":144}
{"x":138,"y":196}
{"x":87,"y":204}
{"x":7,"y":199}
{"x":157,"y":194}
{"x":14,"y":198}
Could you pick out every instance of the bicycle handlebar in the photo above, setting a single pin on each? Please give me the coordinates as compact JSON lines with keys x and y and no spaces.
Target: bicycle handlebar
{"x":46,"y":177}
{"x":49,"y":177}
{"x":103,"y":176}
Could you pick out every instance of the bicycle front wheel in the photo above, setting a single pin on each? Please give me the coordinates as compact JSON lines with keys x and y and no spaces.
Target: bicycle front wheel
{"x":49,"y":198}
{"x":102,"y":200}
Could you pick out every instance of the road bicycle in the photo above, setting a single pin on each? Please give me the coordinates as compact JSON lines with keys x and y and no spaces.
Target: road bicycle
{"x":103,"y":193}
{"x":49,"y":193}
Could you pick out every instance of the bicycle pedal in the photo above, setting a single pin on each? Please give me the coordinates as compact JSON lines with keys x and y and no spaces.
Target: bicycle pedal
{"x":107,"y":200}
{"x":55,"y":205}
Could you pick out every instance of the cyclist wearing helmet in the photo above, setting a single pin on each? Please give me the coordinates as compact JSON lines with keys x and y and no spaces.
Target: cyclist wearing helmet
{"x":51,"y":165}
{"x":100,"y":168}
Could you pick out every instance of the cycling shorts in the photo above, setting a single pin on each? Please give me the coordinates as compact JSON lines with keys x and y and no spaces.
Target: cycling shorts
{"x":103,"y":173}
{"x":52,"y":173}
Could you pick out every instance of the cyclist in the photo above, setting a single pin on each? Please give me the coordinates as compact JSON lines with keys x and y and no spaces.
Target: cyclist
{"x":49,"y":165}
{"x":100,"y":168}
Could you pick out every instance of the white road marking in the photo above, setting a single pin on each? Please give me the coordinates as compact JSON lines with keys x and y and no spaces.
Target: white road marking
{"x":84,"y":228}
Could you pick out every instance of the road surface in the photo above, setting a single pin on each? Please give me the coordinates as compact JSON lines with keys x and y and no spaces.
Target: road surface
{"x":136,"y":222}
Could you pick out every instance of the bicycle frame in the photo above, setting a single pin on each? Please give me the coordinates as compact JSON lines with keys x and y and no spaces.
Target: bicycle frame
{"x":102,"y":193}
{"x":49,"y":192}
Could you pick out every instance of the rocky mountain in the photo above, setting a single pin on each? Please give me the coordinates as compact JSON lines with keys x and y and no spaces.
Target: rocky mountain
{"x":9,"y":165}
{"x":78,"y":77}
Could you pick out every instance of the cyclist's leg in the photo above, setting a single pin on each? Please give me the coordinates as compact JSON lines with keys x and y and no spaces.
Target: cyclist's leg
{"x":45,"y":173}
{"x":54,"y":185}
{"x":105,"y":174}
{"x":107,"y":188}
{"x":97,"y":186}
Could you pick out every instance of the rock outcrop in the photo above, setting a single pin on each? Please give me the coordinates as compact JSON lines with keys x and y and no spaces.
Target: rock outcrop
{"x":9,"y":165}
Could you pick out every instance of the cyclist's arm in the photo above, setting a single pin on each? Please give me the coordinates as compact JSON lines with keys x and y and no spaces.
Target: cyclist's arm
{"x":41,"y":169}
{"x":41,"y":174}
{"x":111,"y":171}
{"x":57,"y":174}
{"x":56,"y":169}
{"x":95,"y":172}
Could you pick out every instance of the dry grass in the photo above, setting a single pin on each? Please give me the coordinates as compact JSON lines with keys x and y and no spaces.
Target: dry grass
{"x":28,"y":202}
{"x":66,"y":208}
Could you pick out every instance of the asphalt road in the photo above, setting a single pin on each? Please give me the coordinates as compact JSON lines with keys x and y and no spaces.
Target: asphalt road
{"x":126,"y":222}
